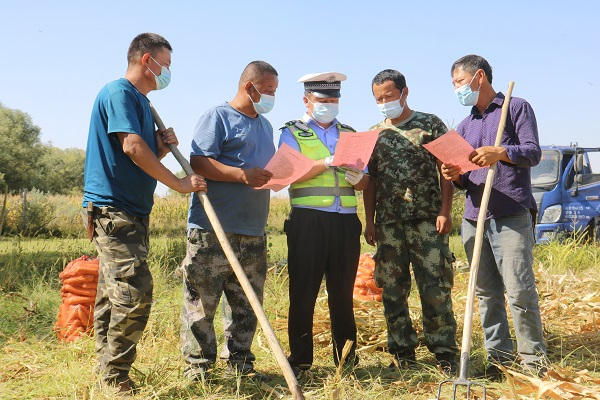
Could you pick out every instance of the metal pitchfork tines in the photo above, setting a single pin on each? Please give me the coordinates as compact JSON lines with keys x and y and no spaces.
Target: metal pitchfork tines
{"x":468,"y":322}
{"x":462,"y":380}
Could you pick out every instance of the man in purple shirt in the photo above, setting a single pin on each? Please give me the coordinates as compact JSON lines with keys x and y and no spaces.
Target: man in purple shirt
{"x":507,"y":252}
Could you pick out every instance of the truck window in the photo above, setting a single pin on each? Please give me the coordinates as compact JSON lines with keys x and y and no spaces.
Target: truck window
{"x":546,"y":172}
{"x":587,"y":177}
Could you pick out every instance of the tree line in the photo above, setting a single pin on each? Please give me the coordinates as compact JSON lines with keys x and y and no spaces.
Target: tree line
{"x":27,"y":163}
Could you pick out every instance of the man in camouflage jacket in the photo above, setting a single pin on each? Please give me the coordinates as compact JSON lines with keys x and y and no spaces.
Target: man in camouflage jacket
{"x":407,"y":211}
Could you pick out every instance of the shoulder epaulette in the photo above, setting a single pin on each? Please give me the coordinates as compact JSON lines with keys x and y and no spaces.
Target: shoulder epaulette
{"x":347,"y":127}
{"x":297,"y":123}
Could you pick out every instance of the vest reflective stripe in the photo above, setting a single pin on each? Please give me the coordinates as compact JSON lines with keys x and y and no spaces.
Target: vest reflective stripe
{"x":321,"y":190}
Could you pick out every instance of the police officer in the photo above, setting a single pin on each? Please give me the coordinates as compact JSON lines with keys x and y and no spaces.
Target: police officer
{"x":323,"y":230}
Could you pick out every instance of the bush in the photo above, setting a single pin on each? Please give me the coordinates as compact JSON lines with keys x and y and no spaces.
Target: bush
{"x":45,"y":215}
{"x":61,"y":216}
{"x":29,"y":217}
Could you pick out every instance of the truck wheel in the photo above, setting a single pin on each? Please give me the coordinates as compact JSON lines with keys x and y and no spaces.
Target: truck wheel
{"x":589,"y":233}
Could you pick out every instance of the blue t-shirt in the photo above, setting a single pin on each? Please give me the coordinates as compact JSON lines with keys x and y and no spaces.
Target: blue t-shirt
{"x":236,"y":140}
{"x":111,"y":178}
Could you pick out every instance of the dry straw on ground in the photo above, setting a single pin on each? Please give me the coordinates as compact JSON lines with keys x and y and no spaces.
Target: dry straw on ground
{"x":570,"y":307}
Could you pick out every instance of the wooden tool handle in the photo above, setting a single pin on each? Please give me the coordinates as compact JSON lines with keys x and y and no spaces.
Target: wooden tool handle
{"x":476,"y":258}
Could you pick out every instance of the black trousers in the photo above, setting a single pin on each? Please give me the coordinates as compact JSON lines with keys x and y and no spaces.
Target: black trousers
{"x":321,"y":244}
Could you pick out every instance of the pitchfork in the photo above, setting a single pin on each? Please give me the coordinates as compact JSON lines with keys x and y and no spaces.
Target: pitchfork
{"x":468,"y":323}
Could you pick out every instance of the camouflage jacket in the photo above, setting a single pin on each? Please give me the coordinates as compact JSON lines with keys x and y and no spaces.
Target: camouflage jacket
{"x":406,"y":175}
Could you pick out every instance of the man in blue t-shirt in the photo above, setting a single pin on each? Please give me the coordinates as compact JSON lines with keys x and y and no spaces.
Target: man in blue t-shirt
{"x":121,"y":169}
{"x":232,"y":144}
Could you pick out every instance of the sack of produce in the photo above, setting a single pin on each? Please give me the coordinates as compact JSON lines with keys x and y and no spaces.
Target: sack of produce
{"x":78,"y":292}
{"x":364,"y":285}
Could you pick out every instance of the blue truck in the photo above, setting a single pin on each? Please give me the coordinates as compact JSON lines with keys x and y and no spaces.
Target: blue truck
{"x":567,"y":193}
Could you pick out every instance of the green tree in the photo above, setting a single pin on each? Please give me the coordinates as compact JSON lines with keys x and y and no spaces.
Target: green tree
{"x":60,"y":171}
{"x":20,"y":148}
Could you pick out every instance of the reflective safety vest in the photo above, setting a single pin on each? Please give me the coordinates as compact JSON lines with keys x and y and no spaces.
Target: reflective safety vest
{"x":321,"y":190}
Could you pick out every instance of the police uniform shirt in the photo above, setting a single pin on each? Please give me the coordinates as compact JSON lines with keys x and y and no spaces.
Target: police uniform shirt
{"x":329,"y":137}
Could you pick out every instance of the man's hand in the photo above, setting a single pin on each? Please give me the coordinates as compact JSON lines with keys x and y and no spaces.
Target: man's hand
{"x":443,"y":224}
{"x":487,"y":155}
{"x":165,"y":138}
{"x":353,"y":176}
{"x":256,"y":177}
{"x":370,"y":233}
{"x":192,"y":183}
{"x":450,"y":172}
{"x":327,"y":161}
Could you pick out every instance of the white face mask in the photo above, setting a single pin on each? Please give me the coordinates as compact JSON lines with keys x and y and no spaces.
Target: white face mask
{"x":466,"y":95}
{"x":265,"y":104}
{"x":392,"y":109}
{"x":325,"y":112}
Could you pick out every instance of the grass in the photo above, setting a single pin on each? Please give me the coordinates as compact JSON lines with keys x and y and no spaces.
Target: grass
{"x":34,"y":365}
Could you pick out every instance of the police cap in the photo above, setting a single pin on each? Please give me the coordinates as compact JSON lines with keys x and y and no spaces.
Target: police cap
{"x":323,"y":84}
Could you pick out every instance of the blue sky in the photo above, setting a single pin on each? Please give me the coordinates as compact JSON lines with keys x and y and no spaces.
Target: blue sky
{"x":59,"y":54}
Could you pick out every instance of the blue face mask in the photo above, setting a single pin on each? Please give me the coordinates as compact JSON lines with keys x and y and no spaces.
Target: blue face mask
{"x":325,"y":112}
{"x":162,"y":80}
{"x":265,"y":104}
{"x":466,"y":96}
{"x":392,"y":109}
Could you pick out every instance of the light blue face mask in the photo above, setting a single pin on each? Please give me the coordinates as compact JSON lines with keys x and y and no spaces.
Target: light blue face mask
{"x":265,"y":104}
{"x":325,"y":112}
{"x":162,"y":80}
{"x":466,"y":96}
{"x":392,"y":109}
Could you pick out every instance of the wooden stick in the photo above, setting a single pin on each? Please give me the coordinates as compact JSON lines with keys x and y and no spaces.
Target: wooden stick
{"x":468,"y":322}
{"x":239,"y":272}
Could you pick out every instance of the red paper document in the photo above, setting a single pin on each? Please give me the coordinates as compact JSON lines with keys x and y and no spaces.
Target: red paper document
{"x":287,"y":166}
{"x":354,"y":149}
{"x":451,"y":148}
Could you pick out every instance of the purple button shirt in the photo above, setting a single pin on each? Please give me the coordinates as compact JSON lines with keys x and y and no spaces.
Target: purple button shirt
{"x":511,"y":189}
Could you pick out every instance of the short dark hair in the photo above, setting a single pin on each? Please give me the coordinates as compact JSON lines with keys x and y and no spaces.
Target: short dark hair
{"x":471,"y":64}
{"x":389,"y":75}
{"x":256,"y":70}
{"x":146,"y":43}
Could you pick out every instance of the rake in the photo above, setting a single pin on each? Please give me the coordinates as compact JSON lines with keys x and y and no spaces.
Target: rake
{"x":468,"y":322}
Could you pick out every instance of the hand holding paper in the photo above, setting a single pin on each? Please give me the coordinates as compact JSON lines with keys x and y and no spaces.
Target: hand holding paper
{"x":353,"y":176}
{"x":287,"y":166}
{"x":451,"y":148}
{"x":328,"y":161}
{"x":354,"y":149}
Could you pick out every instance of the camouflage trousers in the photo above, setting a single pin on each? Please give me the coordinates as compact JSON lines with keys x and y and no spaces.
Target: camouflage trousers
{"x":418,"y":243}
{"x":207,"y":275}
{"x":124,"y":293}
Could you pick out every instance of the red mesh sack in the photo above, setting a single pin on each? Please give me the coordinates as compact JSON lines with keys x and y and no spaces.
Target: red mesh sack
{"x":364,"y":285}
{"x":78,"y":292}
